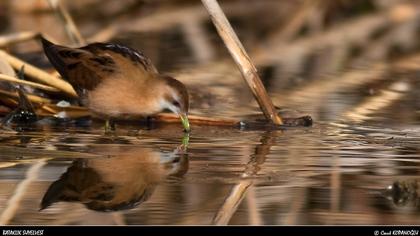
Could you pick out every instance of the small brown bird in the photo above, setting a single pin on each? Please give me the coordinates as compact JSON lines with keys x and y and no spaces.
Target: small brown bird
{"x":122,"y":179}
{"x":116,"y":81}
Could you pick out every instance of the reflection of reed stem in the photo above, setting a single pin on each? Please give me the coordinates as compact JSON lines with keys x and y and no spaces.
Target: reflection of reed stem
{"x":385,"y":98}
{"x":118,"y":218}
{"x":240,"y":56}
{"x":13,"y":204}
{"x":336,"y":187}
{"x":231,"y":203}
{"x":238,"y":192}
{"x":296,"y":205}
{"x":254,"y":214}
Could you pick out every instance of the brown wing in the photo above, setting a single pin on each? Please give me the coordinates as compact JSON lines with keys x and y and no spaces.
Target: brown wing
{"x":128,"y":59}
{"x":88,"y":66}
{"x":81,"y":68}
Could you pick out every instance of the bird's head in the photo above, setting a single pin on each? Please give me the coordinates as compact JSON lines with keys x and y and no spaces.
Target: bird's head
{"x":176,"y":100}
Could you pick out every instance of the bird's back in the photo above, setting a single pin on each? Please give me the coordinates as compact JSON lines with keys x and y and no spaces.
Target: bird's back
{"x":87,"y":67}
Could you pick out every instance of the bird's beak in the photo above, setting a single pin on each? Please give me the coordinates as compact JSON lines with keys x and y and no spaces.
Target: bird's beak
{"x":185,"y":122}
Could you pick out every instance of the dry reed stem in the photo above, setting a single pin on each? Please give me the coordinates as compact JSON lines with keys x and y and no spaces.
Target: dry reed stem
{"x":241,"y":58}
{"x":7,"y":164}
{"x":296,"y":205}
{"x":39,"y":74}
{"x":69,"y":25}
{"x":197,"y":120}
{"x":32,"y":98}
{"x":13,"y":204}
{"x":297,"y":21}
{"x":9,"y":39}
{"x":29,"y":83}
{"x":73,"y":112}
{"x":9,"y":103}
{"x":198,"y":41}
{"x":46,"y":110}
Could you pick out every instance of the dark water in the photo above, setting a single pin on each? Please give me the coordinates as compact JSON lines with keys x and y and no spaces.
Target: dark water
{"x":331,"y":173}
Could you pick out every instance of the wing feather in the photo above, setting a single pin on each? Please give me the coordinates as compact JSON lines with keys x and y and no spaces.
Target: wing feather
{"x":86,"y":67}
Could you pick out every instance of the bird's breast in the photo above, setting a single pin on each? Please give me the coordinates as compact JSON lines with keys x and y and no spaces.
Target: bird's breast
{"x":124,"y":97}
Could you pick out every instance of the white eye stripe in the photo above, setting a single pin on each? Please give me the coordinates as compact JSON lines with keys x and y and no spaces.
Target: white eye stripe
{"x":168,"y":105}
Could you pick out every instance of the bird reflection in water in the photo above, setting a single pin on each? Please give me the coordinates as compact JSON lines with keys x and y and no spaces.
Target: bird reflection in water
{"x":119,"y":182}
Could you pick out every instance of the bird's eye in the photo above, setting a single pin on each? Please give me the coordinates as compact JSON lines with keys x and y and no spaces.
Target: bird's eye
{"x":176,"y":103}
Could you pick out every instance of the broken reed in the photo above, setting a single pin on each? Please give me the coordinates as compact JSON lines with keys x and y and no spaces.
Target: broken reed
{"x":38,"y":74}
{"x":242,"y":60}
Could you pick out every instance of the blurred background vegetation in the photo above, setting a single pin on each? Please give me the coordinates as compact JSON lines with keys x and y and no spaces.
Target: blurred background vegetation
{"x":293,"y":43}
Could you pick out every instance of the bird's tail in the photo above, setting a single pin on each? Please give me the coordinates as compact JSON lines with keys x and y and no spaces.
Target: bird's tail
{"x":51,"y":50}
